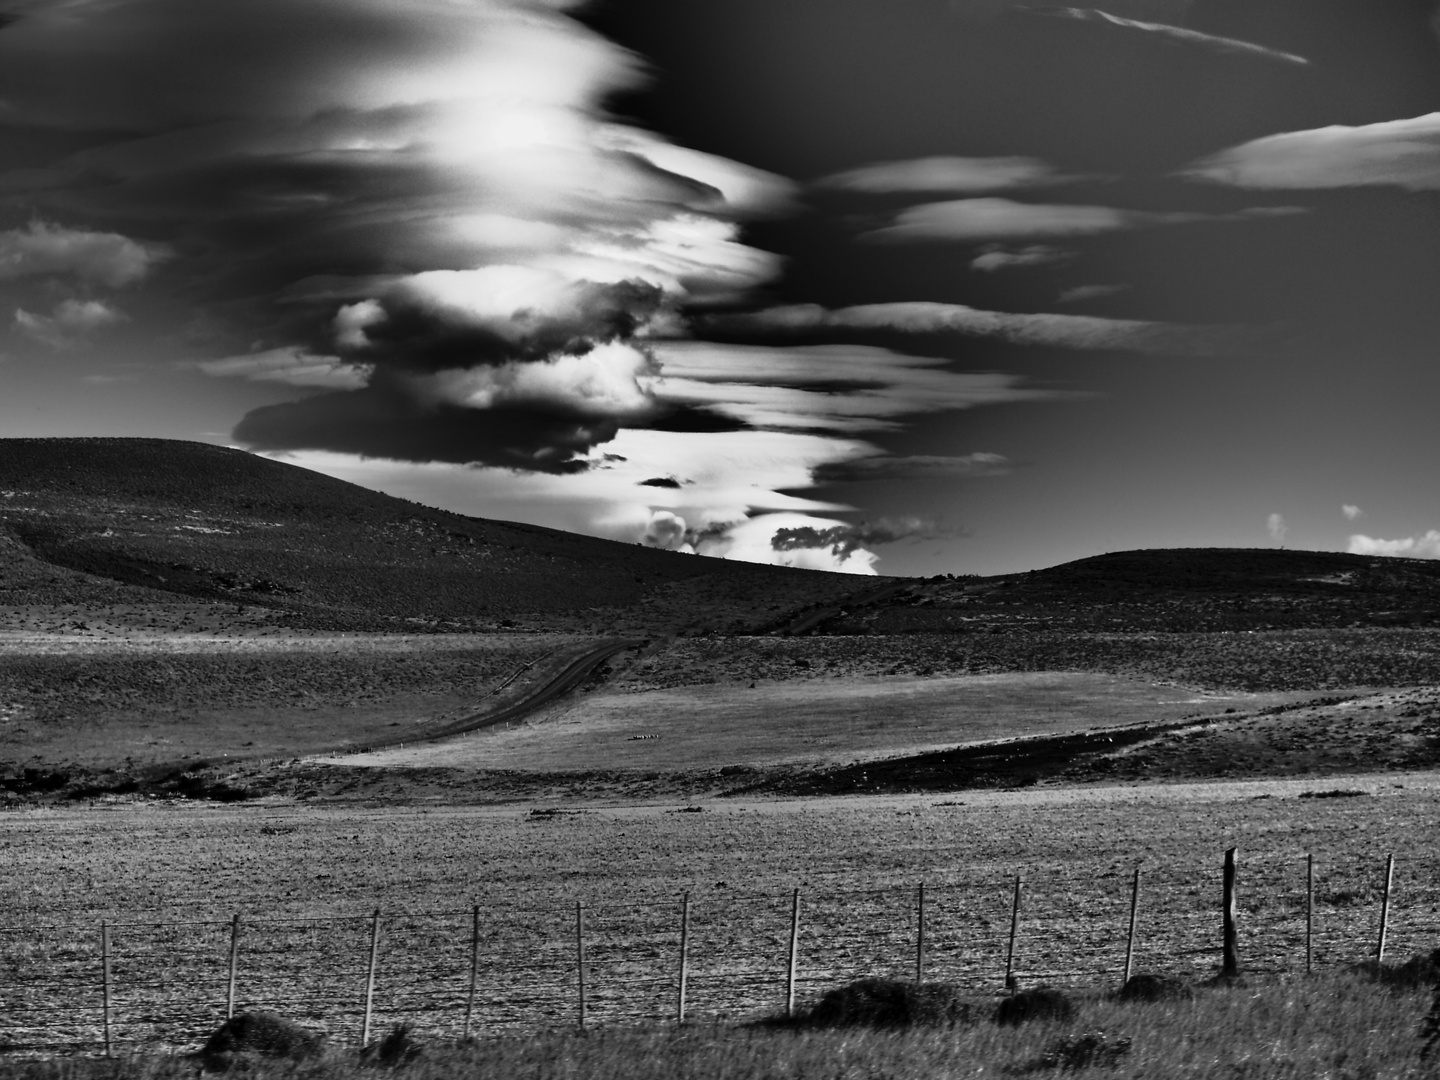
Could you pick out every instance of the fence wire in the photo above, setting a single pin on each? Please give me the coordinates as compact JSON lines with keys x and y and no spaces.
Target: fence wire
{"x":504,"y":969}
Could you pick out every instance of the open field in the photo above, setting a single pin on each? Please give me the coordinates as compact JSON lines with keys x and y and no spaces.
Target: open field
{"x":856,"y":862}
{"x":820,"y":721}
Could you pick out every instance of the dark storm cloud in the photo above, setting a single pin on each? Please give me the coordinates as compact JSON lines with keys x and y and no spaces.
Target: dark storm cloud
{"x":843,"y":540}
{"x":661,"y":482}
{"x":382,"y":422}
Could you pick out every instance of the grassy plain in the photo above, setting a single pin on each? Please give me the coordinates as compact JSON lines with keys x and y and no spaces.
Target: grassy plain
{"x":818,"y":721}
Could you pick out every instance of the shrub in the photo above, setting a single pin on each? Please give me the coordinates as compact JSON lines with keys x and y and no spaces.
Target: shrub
{"x":1147,"y":987}
{"x":398,"y":1047}
{"x":1099,"y":1049}
{"x":1422,"y":969}
{"x":1042,"y":1003}
{"x":259,"y":1035}
{"x":890,"y":1003}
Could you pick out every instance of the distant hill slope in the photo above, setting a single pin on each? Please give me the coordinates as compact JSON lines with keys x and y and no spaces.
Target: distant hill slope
{"x":1169,"y":590}
{"x":124,"y":520}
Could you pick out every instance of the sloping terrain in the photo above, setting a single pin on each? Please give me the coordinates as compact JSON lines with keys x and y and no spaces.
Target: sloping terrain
{"x":106,"y":521}
{"x":1180,"y":590}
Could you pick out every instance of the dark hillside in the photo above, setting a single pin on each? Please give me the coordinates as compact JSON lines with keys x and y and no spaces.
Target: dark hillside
{"x":107,"y":520}
{"x":1170,"y":590}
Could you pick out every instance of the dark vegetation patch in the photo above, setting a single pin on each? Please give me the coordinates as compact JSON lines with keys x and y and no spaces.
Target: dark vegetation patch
{"x":248,"y":1036}
{"x":1149,"y":987}
{"x":1042,"y":1003}
{"x":890,"y":1003}
{"x":1421,"y":970}
{"x":1099,"y":1049}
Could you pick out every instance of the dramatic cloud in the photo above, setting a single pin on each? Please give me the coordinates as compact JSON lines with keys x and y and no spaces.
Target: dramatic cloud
{"x":1066,"y":331}
{"x":1412,"y":547}
{"x":422,"y":208}
{"x":1399,"y":153}
{"x":998,"y":258}
{"x":93,"y":257}
{"x":915,"y":467}
{"x":1351,"y":512}
{"x":71,"y":321}
{"x":969,"y":220}
{"x":1275,"y":525}
{"x":944,"y":174}
{"x":1176,"y":34}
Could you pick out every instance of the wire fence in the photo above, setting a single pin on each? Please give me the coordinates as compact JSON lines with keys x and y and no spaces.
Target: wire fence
{"x":714,"y":954}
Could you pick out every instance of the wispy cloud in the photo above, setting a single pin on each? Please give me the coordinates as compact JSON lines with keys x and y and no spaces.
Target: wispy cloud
{"x":1351,"y":512}
{"x":69,"y":323}
{"x":996,"y":257}
{"x":1176,"y":34}
{"x":289,"y":364}
{"x":1081,"y":293}
{"x":945,"y":174}
{"x":1276,"y":527}
{"x":1045,"y":329}
{"x":1412,"y":547}
{"x":845,"y":540}
{"x":915,"y":467}
{"x":995,"y":218}
{"x":1399,"y":153}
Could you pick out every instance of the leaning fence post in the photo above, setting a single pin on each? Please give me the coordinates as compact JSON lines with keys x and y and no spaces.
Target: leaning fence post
{"x":105,"y":979}
{"x":920,"y":935}
{"x":1014,"y":930}
{"x":234,"y":965}
{"x":684,"y":957}
{"x":580,"y":955}
{"x":794,"y":953}
{"x":370,"y":977}
{"x":474,"y":967}
{"x":1309,"y":911}
{"x":1231,"y":964}
{"x":1130,"y":940}
{"x":1385,"y":908}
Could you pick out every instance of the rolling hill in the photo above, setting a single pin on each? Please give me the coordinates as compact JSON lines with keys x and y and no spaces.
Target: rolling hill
{"x":107,"y":521}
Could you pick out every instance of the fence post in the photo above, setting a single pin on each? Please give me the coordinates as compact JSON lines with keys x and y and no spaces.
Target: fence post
{"x":474,"y":967}
{"x":920,"y":935}
{"x":105,"y":979}
{"x":1385,"y":908}
{"x":234,"y":965}
{"x":1231,"y":964}
{"x":684,"y":957}
{"x":580,"y":955}
{"x":794,"y":953}
{"x":370,"y":977}
{"x":1014,"y":929}
{"x":1130,"y":940}
{"x":1309,"y":910}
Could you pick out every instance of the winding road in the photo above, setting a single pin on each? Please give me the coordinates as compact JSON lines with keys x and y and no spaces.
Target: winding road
{"x":562,"y":682}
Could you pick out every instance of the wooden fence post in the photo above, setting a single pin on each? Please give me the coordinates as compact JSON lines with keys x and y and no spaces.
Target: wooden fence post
{"x":234,"y":965}
{"x":1130,"y":940}
{"x":794,"y":953}
{"x":1014,"y":930}
{"x":1231,"y":963}
{"x":580,"y":955}
{"x":1385,"y":908}
{"x":1309,"y":911}
{"x":920,"y":935}
{"x":370,"y":977}
{"x":105,"y":980}
{"x":474,"y":968}
{"x":684,"y":957}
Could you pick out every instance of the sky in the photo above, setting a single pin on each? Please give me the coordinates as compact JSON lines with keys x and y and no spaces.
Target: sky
{"x":882,"y":286}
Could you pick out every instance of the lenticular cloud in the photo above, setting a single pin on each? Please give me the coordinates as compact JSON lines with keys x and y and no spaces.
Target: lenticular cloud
{"x":422,"y":208}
